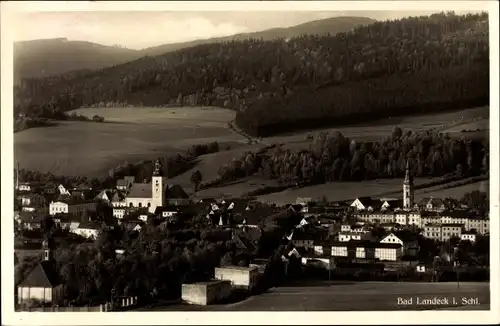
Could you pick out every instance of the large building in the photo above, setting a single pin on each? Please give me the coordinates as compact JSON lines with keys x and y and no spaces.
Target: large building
{"x":155,"y":193}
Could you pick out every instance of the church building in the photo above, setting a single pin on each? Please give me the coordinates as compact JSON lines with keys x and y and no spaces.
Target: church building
{"x":156,"y":193}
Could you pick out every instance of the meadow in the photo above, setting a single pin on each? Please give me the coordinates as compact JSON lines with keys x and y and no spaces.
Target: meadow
{"x":450,"y":122}
{"x":354,"y":296}
{"x":134,"y":134}
{"x":129,"y":134}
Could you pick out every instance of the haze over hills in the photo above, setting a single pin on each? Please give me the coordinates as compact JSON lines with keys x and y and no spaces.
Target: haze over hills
{"x":48,"y":57}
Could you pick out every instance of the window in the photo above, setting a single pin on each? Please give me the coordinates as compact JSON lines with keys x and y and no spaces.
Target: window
{"x":131,"y":204}
{"x":140,"y":204}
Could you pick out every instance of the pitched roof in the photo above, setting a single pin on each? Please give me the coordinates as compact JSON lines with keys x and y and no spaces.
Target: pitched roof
{"x":406,"y":235}
{"x":176,"y":191}
{"x":118,"y":196}
{"x":140,"y":190}
{"x":43,"y":275}
{"x":31,"y":217}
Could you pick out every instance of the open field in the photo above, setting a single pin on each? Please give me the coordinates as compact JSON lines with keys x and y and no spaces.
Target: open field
{"x":455,"y":192}
{"x":209,"y":165}
{"x":380,"y":129}
{"x":90,"y":148}
{"x":350,"y":296}
{"x":337,"y":191}
{"x":133,"y":134}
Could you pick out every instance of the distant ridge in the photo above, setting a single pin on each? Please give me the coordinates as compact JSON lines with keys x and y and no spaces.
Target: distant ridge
{"x":48,"y":57}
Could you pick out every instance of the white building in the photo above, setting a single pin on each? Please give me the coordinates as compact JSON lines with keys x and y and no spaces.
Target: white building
{"x":388,"y":251}
{"x":88,"y":230}
{"x":481,"y":226}
{"x":69,"y":207}
{"x":467,"y":236}
{"x":156,"y":193}
{"x":240,"y":276}
{"x":351,"y":235}
{"x":408,"y":242}
{"x":449,"y":231}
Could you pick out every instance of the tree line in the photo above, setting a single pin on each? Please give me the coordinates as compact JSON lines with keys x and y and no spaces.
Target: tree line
{"x":334,"y":157}
{"x":255,"y":75}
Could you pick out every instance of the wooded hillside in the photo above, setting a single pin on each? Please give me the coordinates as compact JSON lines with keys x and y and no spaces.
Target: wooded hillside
{"x":420,"y":63}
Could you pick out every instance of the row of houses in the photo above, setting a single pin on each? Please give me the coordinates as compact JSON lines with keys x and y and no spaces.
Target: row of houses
{"x":420,"y":219}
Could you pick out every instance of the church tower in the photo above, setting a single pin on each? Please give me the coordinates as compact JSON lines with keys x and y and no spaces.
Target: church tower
{"x":408,"y":188}
{"x":157,"y":191}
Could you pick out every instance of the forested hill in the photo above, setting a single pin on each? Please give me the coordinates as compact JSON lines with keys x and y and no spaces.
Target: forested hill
{"x":328,"y":26}
{"x":398,"y":66}
{"x":49,"y":57}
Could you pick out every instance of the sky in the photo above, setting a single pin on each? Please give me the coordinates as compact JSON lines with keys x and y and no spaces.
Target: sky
{"x":137,"y":30}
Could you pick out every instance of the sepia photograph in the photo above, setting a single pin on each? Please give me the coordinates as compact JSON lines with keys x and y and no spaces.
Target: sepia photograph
{"x":261,"y":158}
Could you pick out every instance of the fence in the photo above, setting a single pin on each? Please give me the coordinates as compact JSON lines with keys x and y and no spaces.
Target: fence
{"x":119,"y":305}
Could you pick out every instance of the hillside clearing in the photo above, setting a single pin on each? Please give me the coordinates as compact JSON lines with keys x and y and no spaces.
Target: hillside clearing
{"x":91,"y":148}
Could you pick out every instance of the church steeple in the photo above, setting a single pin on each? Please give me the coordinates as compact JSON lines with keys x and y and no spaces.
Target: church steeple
{"x":408,"y":188}
{"x":408,"y":176}
{"x":157,"y":169}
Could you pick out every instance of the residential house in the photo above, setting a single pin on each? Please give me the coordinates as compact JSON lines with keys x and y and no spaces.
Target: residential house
{"x":350,"y":235}
{"x":167,"y":211}
{"x":88,"y":229}
{"x":118,"y":199}
{"x":33,"y":200}
{"x":71,"y":207}
{"x":449,"y":231}
{"x":454,"y":217}
{"x":119,"y":212}
{"x":105,"y":196}
{"x":30,"y":220}
{"x":407,"y":240}
{"x":366,"y":204}
{"x":305,"y":238}
{"x":50,"y":188}
{"x":432,"y":204}
{"x":480,"y":225}
{"x":391,"y":204}
{"x":24,"y":186}
{"x":408,"y":218}
{"x":298,"y":208}
{"x":68,"y":222}
{"x":432,"y":231}
{"x":125,"y":183}
{"x":175,"y":195}
{"x":430,"y":218}
{"x":376,"y":217}
{"x":322,"y":248}
{"x":468,"y":236}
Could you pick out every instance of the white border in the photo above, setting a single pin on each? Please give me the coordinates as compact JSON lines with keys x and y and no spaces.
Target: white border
{"x":222,"y":318}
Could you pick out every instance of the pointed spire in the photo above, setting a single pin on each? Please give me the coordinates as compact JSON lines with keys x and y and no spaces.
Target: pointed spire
{"x":408,"y":176}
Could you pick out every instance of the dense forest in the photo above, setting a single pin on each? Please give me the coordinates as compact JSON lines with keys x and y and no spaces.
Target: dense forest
{"x":425,"y":63}
{"x":334,"y":157}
